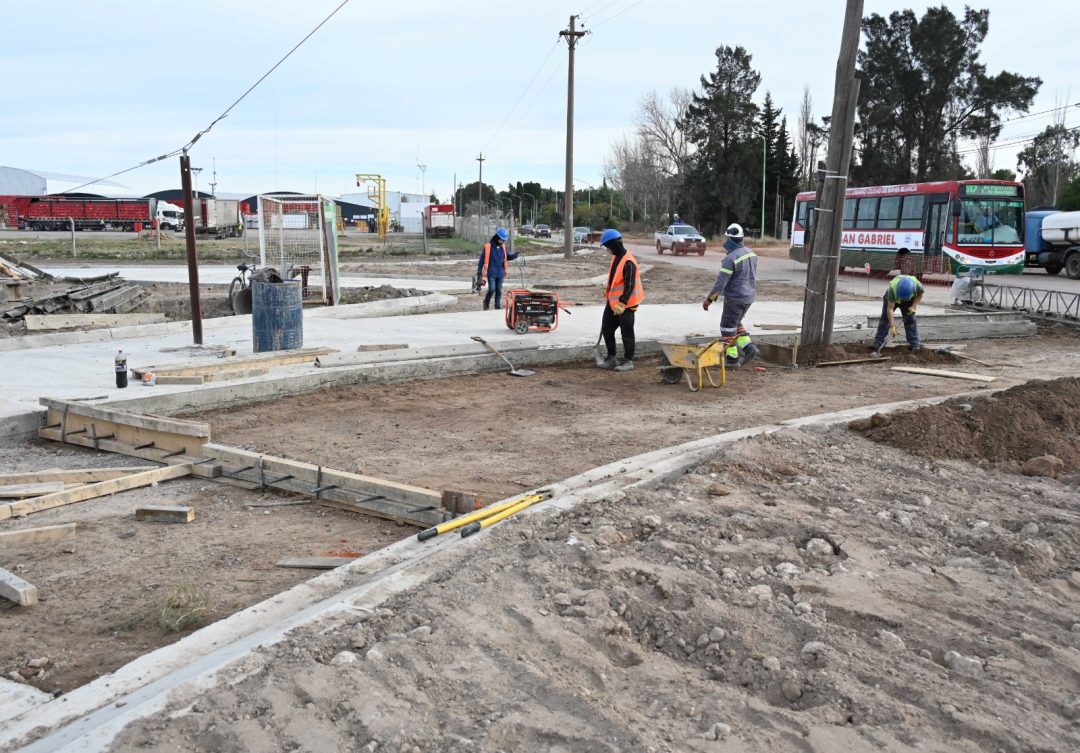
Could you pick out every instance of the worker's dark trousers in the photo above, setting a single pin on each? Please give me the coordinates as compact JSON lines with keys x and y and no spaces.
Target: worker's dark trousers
{"x":911,"y":326}
{"x":732,"y":329}
{"x":494,"y":289}
{"x":625,"y":324}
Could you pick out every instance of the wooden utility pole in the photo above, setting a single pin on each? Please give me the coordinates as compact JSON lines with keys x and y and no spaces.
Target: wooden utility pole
{"x":572,"y":35}
{"x":481,"y":159}
{"x":828,"y":222}
{"x":192,"y":259}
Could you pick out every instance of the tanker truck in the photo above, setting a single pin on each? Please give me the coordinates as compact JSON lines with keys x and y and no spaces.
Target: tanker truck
{"x":1052,"y":241}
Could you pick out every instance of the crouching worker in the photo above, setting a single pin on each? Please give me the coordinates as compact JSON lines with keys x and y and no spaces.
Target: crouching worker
{"x":491,"y":268}
{"x":737,"y":283}
{"x":904,"y":293}
{"x":624,"y":294}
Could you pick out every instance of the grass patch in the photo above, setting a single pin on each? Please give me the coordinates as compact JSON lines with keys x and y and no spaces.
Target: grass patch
{"x":182,"y":608}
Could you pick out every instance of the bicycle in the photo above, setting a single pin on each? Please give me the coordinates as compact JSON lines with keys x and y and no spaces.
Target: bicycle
{"x":239,"y":300}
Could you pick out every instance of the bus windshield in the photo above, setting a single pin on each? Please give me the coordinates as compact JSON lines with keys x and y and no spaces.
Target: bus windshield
{"x":990,"y":222}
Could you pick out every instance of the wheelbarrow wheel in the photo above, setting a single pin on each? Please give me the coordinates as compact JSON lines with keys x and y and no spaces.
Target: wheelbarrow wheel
{"x":671,"y":374}
{"x":521,"y":327}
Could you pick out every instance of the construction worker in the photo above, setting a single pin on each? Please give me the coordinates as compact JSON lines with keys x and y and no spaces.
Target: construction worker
{"x":737,"y":283}
{"x":624,"y":293}
{"x":492,"y":267}
{"x":904,"y":293}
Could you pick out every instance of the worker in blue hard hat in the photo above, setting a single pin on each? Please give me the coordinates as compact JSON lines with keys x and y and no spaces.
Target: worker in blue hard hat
{"x":624,"y":293}
{"x":737,"y":284}
{"x":904,"y":293}
{"x":491,"y":268}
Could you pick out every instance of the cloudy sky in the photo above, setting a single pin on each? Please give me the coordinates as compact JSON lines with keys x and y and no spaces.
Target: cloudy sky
{"x":382,"y":86}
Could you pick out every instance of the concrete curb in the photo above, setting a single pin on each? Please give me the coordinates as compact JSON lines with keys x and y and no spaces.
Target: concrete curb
{"x":388,"y":307}
{"x":89,"y":717}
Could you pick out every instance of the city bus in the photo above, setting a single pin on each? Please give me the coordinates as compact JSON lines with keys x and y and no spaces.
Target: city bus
{"x":946,"y":227}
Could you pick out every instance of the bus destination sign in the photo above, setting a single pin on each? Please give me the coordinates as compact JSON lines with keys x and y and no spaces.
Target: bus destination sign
{"x":995,"y":189}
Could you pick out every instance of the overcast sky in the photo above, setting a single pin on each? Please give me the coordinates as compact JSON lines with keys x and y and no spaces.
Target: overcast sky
{"x":104,"y":85}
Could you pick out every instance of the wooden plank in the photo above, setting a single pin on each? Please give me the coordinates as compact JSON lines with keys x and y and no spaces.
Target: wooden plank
{"x":381,"y":346}
{"x":92,"y":491}
{"x":128,"y":418}
{"x":22,"y":491}
{"x":314,"y":563}
{"x":13,"y":588}
{"x":226,"y":375}
{"x":83,"y":476}
{"x":120,"y":447}
{"x":411,"y":495}
{"x":258,"y":360}
{"x":37,"y":322}
{"x":60,"y":532}
{"x":165,"y":513}
{"x":115,"y":298}
{"x":166,"y":380}
{"x":943,"y":373}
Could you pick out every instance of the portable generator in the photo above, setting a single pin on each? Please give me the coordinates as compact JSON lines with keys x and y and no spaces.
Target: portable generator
{"x":532,"y":310}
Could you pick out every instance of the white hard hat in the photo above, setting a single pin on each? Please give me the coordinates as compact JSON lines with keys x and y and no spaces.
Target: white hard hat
{"x":734,"y":230}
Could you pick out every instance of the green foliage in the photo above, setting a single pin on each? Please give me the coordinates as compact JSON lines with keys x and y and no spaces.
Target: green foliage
{"x":1048,"y":164}
{"x":1070,"y":197}
{"x":183,"y":607}
{"x":1003,"y":173}
{"x":720,"y":124}
{"x":923,"y":86}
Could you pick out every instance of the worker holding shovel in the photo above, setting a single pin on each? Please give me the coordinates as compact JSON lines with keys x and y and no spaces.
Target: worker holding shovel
{"x":491,"y":268}
{"x":624,"y":293}
{"x":904,"y":293}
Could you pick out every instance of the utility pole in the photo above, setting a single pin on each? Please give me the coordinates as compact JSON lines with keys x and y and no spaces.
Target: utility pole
{"x":213,"y":183}
{"x":832,"y":186}
{"x":764,"y":157}
{"x":481,"y":159}
{"x":572,"y":35}
{"x":189,"y":236}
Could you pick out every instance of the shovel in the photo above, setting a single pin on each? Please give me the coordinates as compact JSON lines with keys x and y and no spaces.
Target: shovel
{"x":513,"y":371}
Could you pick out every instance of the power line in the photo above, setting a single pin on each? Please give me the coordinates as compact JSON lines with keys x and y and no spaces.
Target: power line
{"x":522,"y":94}
{"x":599,"y":11}
{"x":1007,"y":144}
{"x":613,"y":17}
{"x":528,"y":108}
{"x":220,"y":117}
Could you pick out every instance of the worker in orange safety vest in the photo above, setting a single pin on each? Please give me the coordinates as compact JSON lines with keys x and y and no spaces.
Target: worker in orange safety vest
{"x":624,"y":293}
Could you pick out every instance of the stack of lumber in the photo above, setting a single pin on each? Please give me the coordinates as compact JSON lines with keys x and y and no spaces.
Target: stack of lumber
{"x":16,"y":270}
{"x":107,"y":294}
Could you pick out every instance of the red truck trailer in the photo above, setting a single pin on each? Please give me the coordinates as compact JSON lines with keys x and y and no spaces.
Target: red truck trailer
{"x":439,"y":220}
{"x":57,"y":213}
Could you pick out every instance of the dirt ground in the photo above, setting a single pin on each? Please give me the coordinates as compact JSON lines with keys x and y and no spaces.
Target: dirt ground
{"x":809,"y":591}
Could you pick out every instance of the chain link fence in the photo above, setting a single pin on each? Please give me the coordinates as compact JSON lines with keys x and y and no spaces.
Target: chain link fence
{"x":478,"y":227}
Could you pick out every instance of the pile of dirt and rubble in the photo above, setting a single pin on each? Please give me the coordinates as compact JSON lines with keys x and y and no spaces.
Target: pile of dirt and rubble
{"x":898,"y":353}
{"x":1034,"y":419}
{"x":807,"y":591}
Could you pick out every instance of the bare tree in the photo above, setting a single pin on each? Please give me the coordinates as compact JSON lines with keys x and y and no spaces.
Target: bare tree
{"x":659,"y":125}
{"x":984,"y":160}
{"x":633,"y":170}
{"x":805,"y":137}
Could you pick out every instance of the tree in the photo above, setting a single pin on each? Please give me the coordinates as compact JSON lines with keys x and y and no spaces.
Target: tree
{"x":719,"y":123}
{"x":1070,"y":197}
{"x":781,"y":167}
{"x":1048,"y":163}
{"x":632,"y":169}
{"x":1003,"y":173}
{"x":810,"y":138}
{"x":922,"y":88}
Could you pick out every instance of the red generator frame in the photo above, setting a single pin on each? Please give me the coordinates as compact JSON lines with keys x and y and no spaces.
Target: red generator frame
{"x":532,"y":310}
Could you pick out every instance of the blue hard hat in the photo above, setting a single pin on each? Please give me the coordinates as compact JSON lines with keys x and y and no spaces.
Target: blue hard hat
{"x":609,"y":235}
{"x":905,"y":289}
{"x":501,"y":232}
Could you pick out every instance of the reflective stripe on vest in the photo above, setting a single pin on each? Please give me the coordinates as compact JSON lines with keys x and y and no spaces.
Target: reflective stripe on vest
{"x":618,"y":283}
{"x":487,"y":259}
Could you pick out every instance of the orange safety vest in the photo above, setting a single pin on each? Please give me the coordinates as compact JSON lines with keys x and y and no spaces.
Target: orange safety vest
{"x":618,"y":283}
{"x":487,"y":258}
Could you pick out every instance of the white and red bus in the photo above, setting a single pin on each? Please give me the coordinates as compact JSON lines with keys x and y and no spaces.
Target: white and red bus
{"x":947,"y":227}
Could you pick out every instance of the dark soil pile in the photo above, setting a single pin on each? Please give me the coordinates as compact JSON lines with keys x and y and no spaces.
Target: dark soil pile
{"x":1037,"y":418}
{"x":899,"y":355}
{"x":377,"y":293}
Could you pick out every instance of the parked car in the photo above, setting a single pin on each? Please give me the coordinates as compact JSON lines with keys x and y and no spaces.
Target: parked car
{"x":526,"y":230}
{"x":543,"y":231}
{"x":680,"y":239}
{"x":581,"y":234}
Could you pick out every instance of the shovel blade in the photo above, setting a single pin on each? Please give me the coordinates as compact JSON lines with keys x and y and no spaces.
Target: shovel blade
{"x":522,"y":372}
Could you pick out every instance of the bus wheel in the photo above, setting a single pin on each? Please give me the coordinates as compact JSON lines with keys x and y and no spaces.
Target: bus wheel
{"x":1053,"y":269}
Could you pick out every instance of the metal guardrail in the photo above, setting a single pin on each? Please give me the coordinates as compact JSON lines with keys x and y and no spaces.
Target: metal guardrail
{"x":1048,"y":305}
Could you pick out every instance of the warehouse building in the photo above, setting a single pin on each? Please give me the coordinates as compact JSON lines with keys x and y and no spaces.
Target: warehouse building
{"x":15,"y":181}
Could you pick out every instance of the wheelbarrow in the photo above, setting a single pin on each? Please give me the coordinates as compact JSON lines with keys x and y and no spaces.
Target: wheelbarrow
{"x":684,"y":359}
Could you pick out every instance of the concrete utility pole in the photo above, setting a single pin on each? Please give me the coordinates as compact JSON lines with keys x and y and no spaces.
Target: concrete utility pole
{"x":827,"y":231}
{"x":572,"y":36}
{"x":480,"y":194}
{"x":189,"y":236}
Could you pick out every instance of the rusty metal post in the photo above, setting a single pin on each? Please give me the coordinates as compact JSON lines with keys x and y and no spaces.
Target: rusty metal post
{"x":192,"y":259}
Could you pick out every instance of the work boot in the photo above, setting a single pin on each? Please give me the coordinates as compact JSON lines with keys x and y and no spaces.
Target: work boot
{"x":625,"y":366}
{"x":750,"y":352}
{"x":731,"y":363}
{"x":607,"y":363}
{"x":913,"y":349}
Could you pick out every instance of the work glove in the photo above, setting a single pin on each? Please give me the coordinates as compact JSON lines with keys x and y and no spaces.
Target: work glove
{"x":893,"y":331}
{"x":911,"y":310}
{"x":618,"y":307}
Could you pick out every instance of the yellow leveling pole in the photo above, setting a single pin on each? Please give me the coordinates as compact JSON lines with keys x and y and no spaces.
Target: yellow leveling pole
{"x":450,"y":525}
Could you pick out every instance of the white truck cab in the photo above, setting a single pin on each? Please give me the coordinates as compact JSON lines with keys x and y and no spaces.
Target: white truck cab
{"x":170,"y":216}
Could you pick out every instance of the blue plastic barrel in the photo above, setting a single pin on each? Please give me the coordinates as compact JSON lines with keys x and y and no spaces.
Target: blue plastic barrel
{"x":277,"y":316}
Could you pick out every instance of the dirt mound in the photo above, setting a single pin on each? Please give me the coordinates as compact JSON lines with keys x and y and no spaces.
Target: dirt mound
{"x":899,"y":354}
{"x":1037,"y":418}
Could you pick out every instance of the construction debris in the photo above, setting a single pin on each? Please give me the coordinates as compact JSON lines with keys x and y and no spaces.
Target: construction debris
{"x":105,"y":294}
{"x":315,"y":563}
{"x":944,"y":373}
{"x":13,"y":588}
{"x":165,"y":513}
{"x":60,"y":532}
